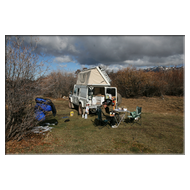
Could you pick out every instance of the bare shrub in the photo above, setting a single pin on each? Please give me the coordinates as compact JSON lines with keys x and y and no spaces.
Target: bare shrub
{"x":22,"y":69}
{"x":129,"y":81}
{"x":133,"y":83}
{"x":59,"y":84}
{"x":175,"y":82}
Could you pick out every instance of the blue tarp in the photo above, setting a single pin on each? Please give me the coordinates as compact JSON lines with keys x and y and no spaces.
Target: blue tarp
{"x":40,"y":115}
{"x":42,"y":106}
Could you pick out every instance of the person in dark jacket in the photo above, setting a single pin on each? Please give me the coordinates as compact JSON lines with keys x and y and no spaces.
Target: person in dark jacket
{"x":106,"y":113}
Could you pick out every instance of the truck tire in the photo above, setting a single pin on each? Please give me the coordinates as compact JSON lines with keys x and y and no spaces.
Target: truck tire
{"x":71,"y":105}
{"x":119,"y":99}
{"x":80,"y":110}
{"x":93,"y":110}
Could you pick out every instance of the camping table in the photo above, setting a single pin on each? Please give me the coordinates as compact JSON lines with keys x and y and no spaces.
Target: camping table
{"x":121,"y":119}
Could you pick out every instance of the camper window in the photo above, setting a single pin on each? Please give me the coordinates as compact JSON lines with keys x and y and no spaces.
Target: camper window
{"x":111,"y":91}
{"x":98,"y":91}
{"x":90,"y":92}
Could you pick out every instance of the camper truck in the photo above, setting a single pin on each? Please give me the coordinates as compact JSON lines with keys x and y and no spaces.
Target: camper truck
{"x":92,"y":88}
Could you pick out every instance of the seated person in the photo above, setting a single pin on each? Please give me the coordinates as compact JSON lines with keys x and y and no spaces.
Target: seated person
{"x":106,"y":113}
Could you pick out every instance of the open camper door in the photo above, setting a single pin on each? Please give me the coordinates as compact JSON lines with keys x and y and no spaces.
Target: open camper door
{"x":111,"y":93}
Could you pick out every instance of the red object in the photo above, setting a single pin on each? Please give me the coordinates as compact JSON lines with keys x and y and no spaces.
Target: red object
{"x":113,"y":100}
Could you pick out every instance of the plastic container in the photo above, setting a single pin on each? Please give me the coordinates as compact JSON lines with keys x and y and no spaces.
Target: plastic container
{"x":102,"y":99}
{"x":71,"y":113}
{"x":93,"y":101}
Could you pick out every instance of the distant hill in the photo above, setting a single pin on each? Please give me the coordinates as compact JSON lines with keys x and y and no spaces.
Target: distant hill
{"x":162,"y":68}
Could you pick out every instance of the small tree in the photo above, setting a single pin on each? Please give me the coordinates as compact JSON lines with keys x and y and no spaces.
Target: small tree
{"x":22,"y":69}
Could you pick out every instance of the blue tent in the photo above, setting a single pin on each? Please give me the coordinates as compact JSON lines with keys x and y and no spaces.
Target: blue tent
{"x":43,"y":106}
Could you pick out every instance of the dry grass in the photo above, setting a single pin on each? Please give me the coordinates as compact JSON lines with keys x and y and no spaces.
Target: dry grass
{"x":167,"y":105}
{"x":161,"y":132}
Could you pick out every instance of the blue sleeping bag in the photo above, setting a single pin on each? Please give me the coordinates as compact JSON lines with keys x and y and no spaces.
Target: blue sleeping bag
{"x":42,"y":106}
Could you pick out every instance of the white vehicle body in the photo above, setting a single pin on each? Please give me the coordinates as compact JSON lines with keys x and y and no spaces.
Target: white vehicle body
{"x":92,"y":88}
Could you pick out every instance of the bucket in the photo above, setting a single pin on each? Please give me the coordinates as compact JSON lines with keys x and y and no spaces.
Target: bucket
{"x":71,"y":113}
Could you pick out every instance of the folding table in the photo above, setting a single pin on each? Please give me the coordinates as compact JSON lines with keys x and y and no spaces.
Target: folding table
{"x":122,"y":118}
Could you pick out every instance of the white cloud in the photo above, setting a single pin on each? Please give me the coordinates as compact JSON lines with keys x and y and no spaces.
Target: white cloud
{"x":63,"y":65}
{"x":136,"y":62}
{"x":64,"y":59}
{"x":116,"y":67}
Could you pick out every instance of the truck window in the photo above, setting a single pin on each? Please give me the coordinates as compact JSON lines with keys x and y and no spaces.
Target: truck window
{"x":75,"y":91}
{"x":83,"y":92}
{"x":111,"y":91}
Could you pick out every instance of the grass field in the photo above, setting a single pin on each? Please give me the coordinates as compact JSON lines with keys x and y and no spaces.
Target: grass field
{"x":161,"y":132}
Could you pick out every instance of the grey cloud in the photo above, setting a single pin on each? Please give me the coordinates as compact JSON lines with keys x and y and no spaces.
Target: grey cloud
{"x":54,"y":45}
{"x":110,"y":50}
{"x":117,"y":49}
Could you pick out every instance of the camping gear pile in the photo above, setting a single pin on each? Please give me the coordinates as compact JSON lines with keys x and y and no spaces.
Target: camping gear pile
{"x":43,"y":106}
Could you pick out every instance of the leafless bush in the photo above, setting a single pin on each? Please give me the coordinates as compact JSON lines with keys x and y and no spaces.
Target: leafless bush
{"x":133,"y":83}
{"x":59,"y":84}
{"x":22,"y":70}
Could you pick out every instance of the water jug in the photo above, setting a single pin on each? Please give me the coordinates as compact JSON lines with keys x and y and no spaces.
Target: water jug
{"x":85,"y":115}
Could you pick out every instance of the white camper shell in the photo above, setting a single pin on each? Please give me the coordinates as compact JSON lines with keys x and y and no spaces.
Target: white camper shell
{"x":92,"y":88}
{"x":93,"y":77}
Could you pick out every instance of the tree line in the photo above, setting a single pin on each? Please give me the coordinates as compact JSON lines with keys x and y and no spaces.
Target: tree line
{"x":131,"y":82}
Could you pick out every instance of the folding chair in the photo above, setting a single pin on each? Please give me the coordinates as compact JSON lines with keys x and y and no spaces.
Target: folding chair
{"x":98,"y":121}
{"x":135,"y":116}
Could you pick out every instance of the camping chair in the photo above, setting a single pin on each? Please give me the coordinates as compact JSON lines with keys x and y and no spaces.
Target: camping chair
{"x":135,"y":116}
{"x":98,"y":121}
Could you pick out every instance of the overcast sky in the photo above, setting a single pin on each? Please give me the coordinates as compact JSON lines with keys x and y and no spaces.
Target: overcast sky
{"x":116,"y":52}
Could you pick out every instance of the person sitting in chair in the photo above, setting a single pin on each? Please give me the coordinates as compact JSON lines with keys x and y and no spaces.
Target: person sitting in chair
{"x":106,"y":113}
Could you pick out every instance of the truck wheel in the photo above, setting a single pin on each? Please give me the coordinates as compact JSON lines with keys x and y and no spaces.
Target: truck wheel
{"x":119,"y":99}
{"x":80,"y":109}
{"x":71,"y":105}
{"x":93,"y":110}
